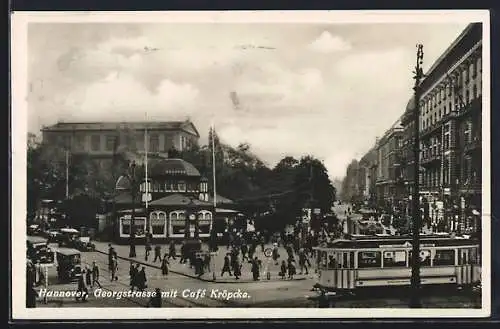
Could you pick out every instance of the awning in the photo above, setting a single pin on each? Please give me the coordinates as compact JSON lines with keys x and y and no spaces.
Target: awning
{"x":225,"y":211}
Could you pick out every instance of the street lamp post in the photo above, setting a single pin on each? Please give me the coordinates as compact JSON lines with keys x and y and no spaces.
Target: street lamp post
{"x":133,"y":191}
{"x":416,"y":223}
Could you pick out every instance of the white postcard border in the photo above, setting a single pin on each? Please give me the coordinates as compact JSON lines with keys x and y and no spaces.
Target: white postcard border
{"x":19,"y":80}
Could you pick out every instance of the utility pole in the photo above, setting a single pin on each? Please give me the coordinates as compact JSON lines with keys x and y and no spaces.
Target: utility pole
{"x":133,"y":190}
{"x":415,"y":301}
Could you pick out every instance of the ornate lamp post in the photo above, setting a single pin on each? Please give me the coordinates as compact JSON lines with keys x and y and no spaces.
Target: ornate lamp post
{"x":416,"y":223}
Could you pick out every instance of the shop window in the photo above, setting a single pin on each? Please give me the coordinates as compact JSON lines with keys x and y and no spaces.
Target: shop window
{"x":126,"y":228}
{"x":444,"y":257}
{"x":369,"y":259}
{"x":395,"y":258}
{"x":158,"y":221}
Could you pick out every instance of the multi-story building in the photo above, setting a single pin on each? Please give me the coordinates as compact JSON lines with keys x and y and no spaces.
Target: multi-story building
{"x":367,"y":176}
{"x":407,"y":154}
{"x":103,"y":139}
{"x":389,"y":184}
{"x":450,"y":135}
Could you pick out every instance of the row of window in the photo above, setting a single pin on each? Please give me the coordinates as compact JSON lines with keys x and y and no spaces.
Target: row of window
{"x":111,"y":142}
{"x":428,"y":119}
{"x":460,"y":81}
{"x":158,"y":222}
{"x":169,"y":186}
{"x":398,"y":258}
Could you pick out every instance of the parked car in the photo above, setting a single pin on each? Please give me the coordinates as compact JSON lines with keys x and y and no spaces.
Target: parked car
{"x":38,"y":250}
{"x":69,"y":267}
{"x":72,"y":238}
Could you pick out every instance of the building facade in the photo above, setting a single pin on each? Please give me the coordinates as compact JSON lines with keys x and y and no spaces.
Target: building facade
{"x":389,"y":183}
{"x":367,"y":176}
{"x":450,"y":136}
{"x":179,"y":204}
{"x":103,"y":139}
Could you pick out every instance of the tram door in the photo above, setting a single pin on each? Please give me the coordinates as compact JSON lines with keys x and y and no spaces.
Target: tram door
{"x":464,"y":270}
{"x":345,"y":272}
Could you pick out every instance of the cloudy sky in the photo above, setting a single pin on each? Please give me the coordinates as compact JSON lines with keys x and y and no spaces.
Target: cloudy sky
{"x":287,"y":89}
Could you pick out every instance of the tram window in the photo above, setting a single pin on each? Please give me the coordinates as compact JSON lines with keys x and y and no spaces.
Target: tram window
{"x":351,"y":258}
{"x":395,"y":258}
{"x":473,"y":256}
{"x":462,"y":256}
{"x":332,"y":262}
{"x":323,"y":260}
{"x":425,"y":257}
{"x":369,"y":259}
{"x":444,"y":257}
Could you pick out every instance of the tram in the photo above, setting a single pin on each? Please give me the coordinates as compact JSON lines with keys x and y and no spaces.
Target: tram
{"x":383,"y":261}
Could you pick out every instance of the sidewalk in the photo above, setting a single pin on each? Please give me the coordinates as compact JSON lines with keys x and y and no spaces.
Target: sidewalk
{"x":216,"y":265}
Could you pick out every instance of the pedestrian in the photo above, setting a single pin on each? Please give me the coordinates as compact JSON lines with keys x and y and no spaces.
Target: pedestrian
{"x":244,"y":250}
{"x":237,"y":269}
{"x":226,"y":267}
{"x":95,"y":275}
{"x":199,"y":268}
{"x":251,"y":251}
{"x":147,"y":246}
{"x":283,"y":270}
{"x":164,"y":265}
{"x":206,"y":262}
{"x":141,"y":279}
{"x":111,"y":252}
{"x":275,"y":254}
{"x":291,"y":269}
{"x":155,"y":300}
{"x":132,"y":275}
{"x":171,"y":250}
{"x":114,"y":269}
{"x":88,"y":277}
{"x":157,"y":253}
{"x":255,"y":269}
{"x":82,"y":291}
{"x":183,"y":254}
{"x":303,"y":262}
{"x":262,"y":242}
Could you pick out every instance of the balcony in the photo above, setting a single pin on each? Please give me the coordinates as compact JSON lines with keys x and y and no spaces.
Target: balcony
{"x":434,"y":128}
{"x":473,"y":145}
{"x":430,"y":160}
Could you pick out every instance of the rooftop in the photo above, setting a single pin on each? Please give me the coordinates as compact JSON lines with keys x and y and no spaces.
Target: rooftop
{"x":136,"y":125}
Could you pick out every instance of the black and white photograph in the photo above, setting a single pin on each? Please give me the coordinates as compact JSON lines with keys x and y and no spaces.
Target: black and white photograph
{"x":250,"y":164}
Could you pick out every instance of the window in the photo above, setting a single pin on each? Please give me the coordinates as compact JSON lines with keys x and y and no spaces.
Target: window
{"x":182,"y":186}
{"x":323,"y":260}
{"x":449,"y":108}
{"x":446,"y":170}
{"x":110,"y":143}
{"x":395,"y":258}
{"x":158,"y":221}
{"x":466,"y":76}
{"x":369,"y":259}
{"x":154,"y":143}
{"x":475,"y":94}
{"x":473,"y":256}
{"x":472,"y":69}
{"x":425,"y":257}
{"x":444,"y":257}
{"x":80,"y":142}
{"x":467,"y":97}
{"x":95,"y":142}
{"x":332,"y":262}
{"x":126,"y":228}
{"x":449,"y":88}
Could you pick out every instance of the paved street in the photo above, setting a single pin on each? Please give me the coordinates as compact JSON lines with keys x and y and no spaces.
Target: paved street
{"x":216,"y":263}
{"x":215,"y":293}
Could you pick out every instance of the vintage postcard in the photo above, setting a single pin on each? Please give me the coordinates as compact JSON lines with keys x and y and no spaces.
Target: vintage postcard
{"x":190,"y":165}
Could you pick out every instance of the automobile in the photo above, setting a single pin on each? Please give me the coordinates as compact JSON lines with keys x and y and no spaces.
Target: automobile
{"x":83,"y":243}
{"x":72,"y":238}
{"x":34,"y":229}
{"x":52,"y":235}
{"x":69,"y":266}
{"x":38,"y":250}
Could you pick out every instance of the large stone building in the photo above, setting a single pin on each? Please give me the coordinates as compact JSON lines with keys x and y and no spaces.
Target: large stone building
{"x":367,"y":176}
{"x":103,"y":139}
{"x":389,"y":184}
{"x":450,"y":136}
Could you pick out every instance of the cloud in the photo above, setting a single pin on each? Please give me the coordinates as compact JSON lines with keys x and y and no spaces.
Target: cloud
{"x":327,"y":43}
{"x":121,"y":97}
